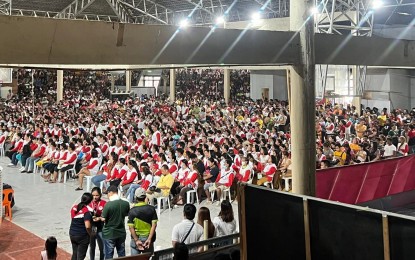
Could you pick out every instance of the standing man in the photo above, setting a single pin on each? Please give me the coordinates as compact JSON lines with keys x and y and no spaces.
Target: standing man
{"x":142,"y":222}
{"x":113,"y":215}
{"x":187,"y":231}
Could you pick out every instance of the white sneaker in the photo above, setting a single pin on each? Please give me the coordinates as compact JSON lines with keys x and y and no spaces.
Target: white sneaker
{"x":10,"y":164}
{"x":21,"y":169}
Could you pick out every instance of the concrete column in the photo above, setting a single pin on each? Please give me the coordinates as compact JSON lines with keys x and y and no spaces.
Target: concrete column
{"x":112,"y":82}
{"x":165,"y":85}
{"x":356,"y":101}
{"x":59,"y":87}
{"x":227,"y":84}
{"x":172,"y":85}
{"x":128,"y":81}
{"x":303,"y":145}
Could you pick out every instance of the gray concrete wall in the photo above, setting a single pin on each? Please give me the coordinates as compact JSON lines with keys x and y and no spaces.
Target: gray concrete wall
{"x":274,"y":80}
{"x":400,"y":89}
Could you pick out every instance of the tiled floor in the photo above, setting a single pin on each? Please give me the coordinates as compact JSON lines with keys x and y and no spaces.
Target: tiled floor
{"x":43,"y":209}
{"x":18,"y":243}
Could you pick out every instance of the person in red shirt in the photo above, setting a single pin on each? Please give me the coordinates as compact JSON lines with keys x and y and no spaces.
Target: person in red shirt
{"x":188,"y":183}
{"x":65,"y":164}
{"x":130,"y":176}
{"x":123,"y":169}
{"x":91,"y":169}
{"x":36,"y":155}
{"x":18,"y":145}
{"x":97,"y":206}
{"x":411,"y":139}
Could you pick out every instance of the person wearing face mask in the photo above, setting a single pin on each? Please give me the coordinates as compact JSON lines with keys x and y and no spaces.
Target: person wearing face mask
{"x":245,"y":171}
{"x":268,"y":171}
{"x":181,"y":175}
{"x":224,"y":179}
{"x":210,"y":177}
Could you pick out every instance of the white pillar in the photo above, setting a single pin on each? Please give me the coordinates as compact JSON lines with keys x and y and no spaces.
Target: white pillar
{"x":128,"y":81}
{"x":172,"y":85}
{"x":59,"y":86}
{"x":112,"y":82}
{"x":356,"y":100}
{"x":226,"y":85}
{"x":303,"y":145}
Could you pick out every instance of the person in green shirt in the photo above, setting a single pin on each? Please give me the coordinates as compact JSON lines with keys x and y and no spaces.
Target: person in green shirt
{"x":142,"y":222}
{"x":113,"y":215}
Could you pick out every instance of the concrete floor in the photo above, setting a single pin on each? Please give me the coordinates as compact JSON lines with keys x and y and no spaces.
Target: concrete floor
{"x":43,"y":208}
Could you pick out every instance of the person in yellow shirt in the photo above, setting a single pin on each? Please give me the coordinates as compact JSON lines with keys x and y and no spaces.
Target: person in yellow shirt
{"x":163,"y":186}
{"x":382,"y":118}
{"x":339,"y":156}
{"x":361,"y":128}
{"x":355,"y":146}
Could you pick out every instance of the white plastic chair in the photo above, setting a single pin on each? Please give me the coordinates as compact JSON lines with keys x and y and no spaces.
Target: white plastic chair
{"x":270,"y":182}
{"x":163,"y":199}
{"x":88,"y":182}
{"x":70,"y":171}
{"x":287,"y":183}
{"x":227,"y":193}
{"x":189,"y":195}
{"x":2,"y":149}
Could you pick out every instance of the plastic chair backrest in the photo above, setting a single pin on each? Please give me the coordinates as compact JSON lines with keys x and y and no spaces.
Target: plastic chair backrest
{"x":7,"y":196}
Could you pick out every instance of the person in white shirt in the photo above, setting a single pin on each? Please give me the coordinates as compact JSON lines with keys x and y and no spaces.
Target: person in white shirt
{"x":225,"y":223}
{"x":390,"y":149}
{"x":187,"y":231}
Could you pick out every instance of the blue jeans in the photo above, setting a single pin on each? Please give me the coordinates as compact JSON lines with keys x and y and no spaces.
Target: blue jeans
{"x":135,"y":251}
{"x":14,"y":159}
{"x":130,"y":193}
{"x":111,"y":244}
{"x":30,"y":163}
{"x":96,"y":180}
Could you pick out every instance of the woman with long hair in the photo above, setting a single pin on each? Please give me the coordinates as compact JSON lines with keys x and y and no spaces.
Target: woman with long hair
{"x":130,"y":176}
{"x":204,"y":214}
{"x":49,"y":253}
{"x":225,"y":223}
{"x":80,"y":229}
{"x":97,"y":206}
{"x":91,"y":169}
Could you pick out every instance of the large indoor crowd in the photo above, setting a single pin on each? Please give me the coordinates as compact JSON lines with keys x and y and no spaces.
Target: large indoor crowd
{"x":208,"y":84}
{"x":148,"y":149}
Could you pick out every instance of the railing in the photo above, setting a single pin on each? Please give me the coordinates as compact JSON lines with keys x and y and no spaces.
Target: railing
{"x":201,"y":246}
{"x":358,"y":183}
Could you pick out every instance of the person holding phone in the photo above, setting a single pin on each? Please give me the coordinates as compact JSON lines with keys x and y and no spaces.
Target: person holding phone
{"x":97,"y":206}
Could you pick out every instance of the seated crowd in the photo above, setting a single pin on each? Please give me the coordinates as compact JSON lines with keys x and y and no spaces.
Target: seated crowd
{"x":208,"y":84}
{"x":190,"y":148}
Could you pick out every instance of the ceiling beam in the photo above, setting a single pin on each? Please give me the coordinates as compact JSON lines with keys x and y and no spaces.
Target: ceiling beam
{"x":162,"y":45}
{"x":122,"y":12}
{"x":74,"y":9}
{"x":155,"y":17}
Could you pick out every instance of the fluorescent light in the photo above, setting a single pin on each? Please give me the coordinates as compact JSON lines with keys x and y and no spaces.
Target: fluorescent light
{"x":184,"y":23}
{"x":314,"y":10}
{"x":256,"y":16}
{"x":220,"y":20}
{"x":376,"y":4}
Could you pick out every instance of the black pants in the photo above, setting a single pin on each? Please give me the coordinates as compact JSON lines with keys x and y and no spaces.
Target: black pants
{"x":79,"y":246}
{"x":10,"y":154}
{"x":174,"y":191}
{"x":98,"y":238}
